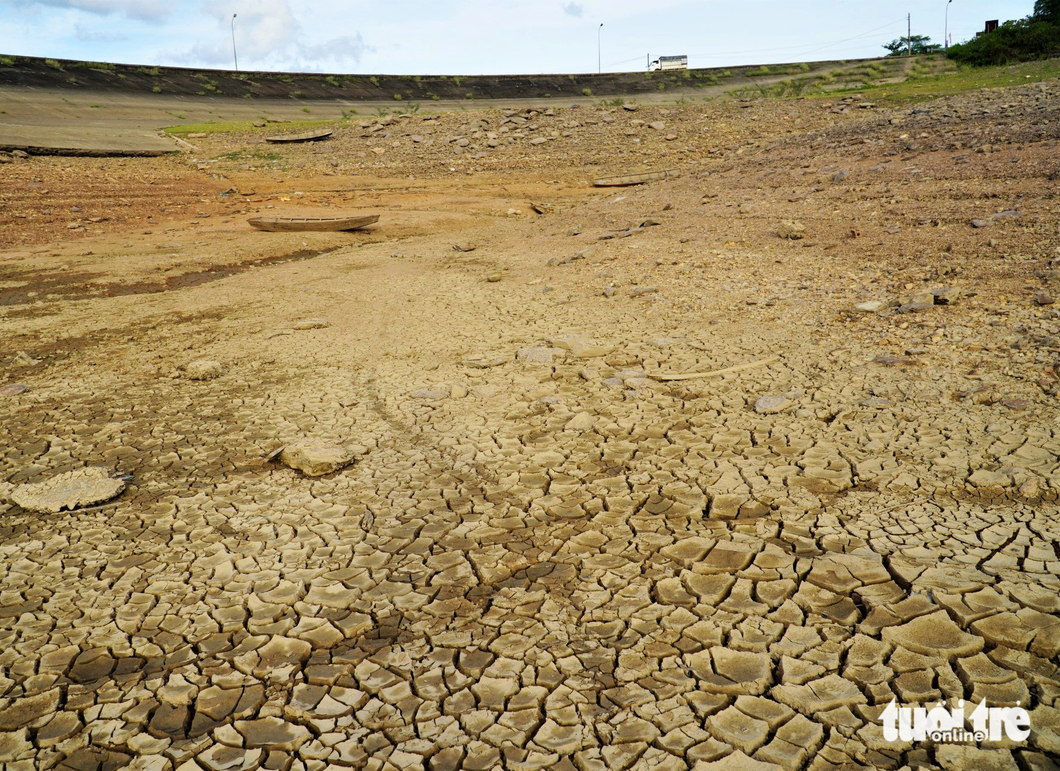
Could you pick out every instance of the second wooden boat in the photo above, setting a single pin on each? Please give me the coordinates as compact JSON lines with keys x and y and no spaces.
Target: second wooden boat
{"x":627,"y":180}
{"x":303,"y":224}
{"x":311,"y":136}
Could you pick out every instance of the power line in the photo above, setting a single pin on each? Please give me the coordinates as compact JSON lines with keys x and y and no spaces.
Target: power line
{"x":774,"y":50}
{"x":797,"y":48}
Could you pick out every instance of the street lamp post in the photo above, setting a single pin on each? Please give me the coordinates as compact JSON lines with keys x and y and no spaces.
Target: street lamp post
{"x":234,"y":55}
{"x":946,"y":34}
{"x":599,"y":60}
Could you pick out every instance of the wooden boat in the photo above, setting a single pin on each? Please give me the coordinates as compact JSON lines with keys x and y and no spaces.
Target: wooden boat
{"x":311,"y":136}
{"x":628,"y":180}
{"x":302,"y":224}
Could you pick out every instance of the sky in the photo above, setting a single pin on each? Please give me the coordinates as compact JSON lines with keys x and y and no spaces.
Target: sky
{"x":473,"y":37}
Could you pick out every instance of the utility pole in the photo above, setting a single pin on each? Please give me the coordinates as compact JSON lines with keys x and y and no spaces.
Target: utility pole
{"x":234,"y":55}
{"x":946,"y":35}
{"x":599,"y":61}
{"x":909,"y":36}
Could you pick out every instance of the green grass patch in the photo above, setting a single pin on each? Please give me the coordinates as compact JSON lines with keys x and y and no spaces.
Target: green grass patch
{"x":950,"y":79}
{"x":224,"y":127}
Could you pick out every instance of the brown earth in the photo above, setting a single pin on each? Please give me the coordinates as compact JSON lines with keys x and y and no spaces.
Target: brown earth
{"x":546,"y":554}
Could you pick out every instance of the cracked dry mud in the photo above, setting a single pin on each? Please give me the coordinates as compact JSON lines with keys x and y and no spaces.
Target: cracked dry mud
{"x":543,"y":555}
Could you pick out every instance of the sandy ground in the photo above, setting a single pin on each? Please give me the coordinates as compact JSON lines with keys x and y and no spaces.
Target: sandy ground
{"x":545,"y":553}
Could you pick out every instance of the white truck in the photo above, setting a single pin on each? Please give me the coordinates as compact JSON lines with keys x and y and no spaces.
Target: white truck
{"x":669,"y":63}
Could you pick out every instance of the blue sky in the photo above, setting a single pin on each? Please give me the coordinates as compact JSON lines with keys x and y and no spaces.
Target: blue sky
{"x":475,"y":36}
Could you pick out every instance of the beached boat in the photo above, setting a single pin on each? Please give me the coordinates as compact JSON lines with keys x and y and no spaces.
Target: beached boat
{"x":312,"y":136}
{"x":627,"y":180}
{"x":302,"y":224}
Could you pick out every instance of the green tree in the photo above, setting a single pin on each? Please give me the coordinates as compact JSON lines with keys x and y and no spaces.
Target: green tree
{"x":1035,"y":37}
{"x":921,"y":44}
{"x":1047,"y":10}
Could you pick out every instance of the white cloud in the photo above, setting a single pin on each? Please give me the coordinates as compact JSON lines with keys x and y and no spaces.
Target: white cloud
{"x":336,"y":50}
{"x":573,"y":9}
{"x":146,"y":10}
{"x":86,"y":35}
{"x":268,"y":33}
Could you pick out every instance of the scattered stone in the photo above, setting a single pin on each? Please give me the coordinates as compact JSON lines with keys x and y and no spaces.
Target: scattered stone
{"x":583,"y":421}
{"x":311,"y":324}
{"x":493,"y":278}
{"x":316,"y":458}
{"x":13,"y":389}
{"x":1043,"y":298}
{"x":203,"y":369}
{"x":772,"y":403}
{"x":430,"y":394}
{"x":791,"y":230}
{"x":68,"y":491}
{"x":537,"y":355}
{"x":872,"y":306}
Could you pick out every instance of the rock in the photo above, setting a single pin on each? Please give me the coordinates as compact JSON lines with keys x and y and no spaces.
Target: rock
{"x":203,"y":369}
{"x":315,"y":458}
{"x":23,"y":359}
{"x":311,"y":324}
{"x":640,"y":291}
{"x":430,"y":394}
{"x":13,"y":389}
{"x":792,"y":230}
{"x":584,"y":349}
{"x":583,"y":421}
{"x":493,"y":278}
{"x":981,"y":223}
{"x":945,"y":296}
{"x":872,"y":306}
{"x":537,"y":355}
{"x":1043,"y":298}
{"x":69,"y":491}
{"x":482,"y":362}
{"x":772,"y":403}
{"x":658,"y":125}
